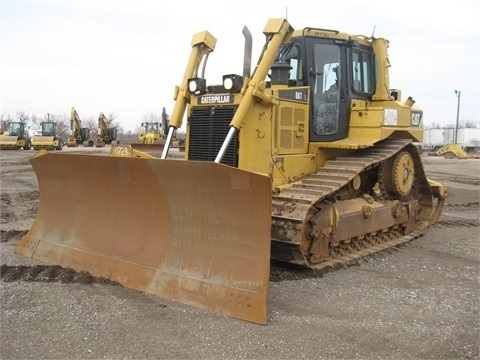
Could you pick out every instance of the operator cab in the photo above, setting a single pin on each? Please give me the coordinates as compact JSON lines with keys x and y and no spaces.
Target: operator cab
{"x":151,"y":128}
{"x":16,"y":129}
{"x":336,"y":70}
{"x":49,"y":129}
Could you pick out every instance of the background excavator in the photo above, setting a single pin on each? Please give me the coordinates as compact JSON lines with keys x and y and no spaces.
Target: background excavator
{"x":277,"y":167}
{"x":78,"y":134}
{"x":15,"y":136}
{"x":106,"y":134}
{"x":49,"y":139}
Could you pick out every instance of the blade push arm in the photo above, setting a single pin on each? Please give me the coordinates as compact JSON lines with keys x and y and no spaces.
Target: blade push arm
{"x":202,"y":45}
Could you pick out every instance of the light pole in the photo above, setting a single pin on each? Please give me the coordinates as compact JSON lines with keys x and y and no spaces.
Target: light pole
{"x":457,"y":92}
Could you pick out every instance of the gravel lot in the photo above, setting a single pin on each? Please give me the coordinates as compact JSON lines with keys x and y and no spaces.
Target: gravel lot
{"x":419,"y":301}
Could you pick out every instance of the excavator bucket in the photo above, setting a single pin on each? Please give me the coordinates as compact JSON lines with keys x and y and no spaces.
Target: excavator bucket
{"x":195,"y":232}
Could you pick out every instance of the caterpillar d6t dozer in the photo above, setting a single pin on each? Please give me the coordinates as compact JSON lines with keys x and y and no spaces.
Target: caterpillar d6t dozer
{"x":308,"y":160}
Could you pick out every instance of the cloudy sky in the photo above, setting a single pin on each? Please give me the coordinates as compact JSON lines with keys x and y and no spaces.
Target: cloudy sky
{"x":125,"y":57}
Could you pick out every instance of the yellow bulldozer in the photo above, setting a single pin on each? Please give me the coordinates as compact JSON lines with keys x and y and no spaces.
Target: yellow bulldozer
{"x":309,"y":159}
{"x":152,"y":135}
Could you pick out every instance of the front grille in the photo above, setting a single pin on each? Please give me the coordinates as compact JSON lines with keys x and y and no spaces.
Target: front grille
{"x":209,"y":127}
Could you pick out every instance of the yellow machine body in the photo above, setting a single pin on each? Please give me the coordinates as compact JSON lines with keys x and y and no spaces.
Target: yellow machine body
{"x":276,"y":167}
{"x":49,"y":139}
{"x":15,"y":137}
{"x":106,"y":133}
{"x":78,"y":134}
{"x":452,"y":150}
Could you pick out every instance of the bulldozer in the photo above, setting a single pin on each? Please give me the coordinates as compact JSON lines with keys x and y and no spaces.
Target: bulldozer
{"x":152,"y":135}
{"x":78,"y":135}
{"x":49,"y":139}
{"x":106,"y":134}
{"x":15,"y":137}
{"x":308,"y":160}
{"x":452,"y":151}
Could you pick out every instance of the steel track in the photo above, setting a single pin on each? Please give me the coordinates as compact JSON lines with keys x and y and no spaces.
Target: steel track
{"x":291,"y":206}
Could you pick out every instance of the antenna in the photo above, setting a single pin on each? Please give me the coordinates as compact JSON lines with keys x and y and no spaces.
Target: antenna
{"x":373,"y":31}
{"x":286,"y":12}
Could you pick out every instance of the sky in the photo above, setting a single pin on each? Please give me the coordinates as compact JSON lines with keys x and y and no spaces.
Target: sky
{"x":126,"y":57}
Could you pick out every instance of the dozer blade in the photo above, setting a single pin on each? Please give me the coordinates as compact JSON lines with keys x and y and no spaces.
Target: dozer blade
{"x":149,"y":148}
{"x":196,"y":232}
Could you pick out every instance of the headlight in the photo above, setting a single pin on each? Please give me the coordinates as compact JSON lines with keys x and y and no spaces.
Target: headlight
{"x":197,"y":86}
{"x":228,"y":83}
{"x":232,"y":83}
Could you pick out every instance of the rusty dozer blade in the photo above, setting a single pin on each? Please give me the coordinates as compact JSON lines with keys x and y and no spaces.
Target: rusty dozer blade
{"x":196,"y":232}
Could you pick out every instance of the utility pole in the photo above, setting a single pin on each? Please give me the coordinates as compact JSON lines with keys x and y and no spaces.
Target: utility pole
{"x":457,"y":92}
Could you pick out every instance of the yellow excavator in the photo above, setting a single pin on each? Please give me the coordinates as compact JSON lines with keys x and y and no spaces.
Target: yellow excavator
{"x":78,"y":135}
{"x":106,"y":134}
{"x":309,"y":159}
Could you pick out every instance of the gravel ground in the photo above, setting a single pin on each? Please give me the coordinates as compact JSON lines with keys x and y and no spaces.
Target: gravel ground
{"x":419,"y":301}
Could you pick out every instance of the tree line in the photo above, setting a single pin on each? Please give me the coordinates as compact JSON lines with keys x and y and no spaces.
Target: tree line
{"x":467,"y":124}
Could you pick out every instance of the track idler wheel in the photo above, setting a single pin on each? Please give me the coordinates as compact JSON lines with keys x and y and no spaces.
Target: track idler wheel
{"x":399,"y":175}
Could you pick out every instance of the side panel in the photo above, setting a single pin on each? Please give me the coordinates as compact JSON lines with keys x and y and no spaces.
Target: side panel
{"x":291,"y":125}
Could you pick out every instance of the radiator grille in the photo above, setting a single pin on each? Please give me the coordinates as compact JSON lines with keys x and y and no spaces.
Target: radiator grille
{"x":208,"y":129}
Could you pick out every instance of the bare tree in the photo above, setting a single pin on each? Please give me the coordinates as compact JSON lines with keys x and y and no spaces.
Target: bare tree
{"x":151,"y":117}
{"x":92,"y":125}
{"x":63,"y":126}
{"x":36,"y":120}
{"x":23,"y":116}
{"x":114,"y":124}
{"x":6,"y":117}
{"x":128,"y":137}
{"x":111,"y":117}
{"x":470,"y":124}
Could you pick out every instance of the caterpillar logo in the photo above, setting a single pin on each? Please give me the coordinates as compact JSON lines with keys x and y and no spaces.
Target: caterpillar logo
{"x":416,"y":118}
{"x":216,"y":99}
